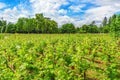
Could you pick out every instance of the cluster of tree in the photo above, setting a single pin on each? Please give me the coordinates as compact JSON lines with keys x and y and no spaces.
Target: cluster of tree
{"x":114,"y":24}
{"x":41,"y":24}
{"x":91,"y":28}
{"x":108,"y":25}
{"x":111,"y":25}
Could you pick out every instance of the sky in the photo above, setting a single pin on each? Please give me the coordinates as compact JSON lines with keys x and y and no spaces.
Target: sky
{"x":78,"y":12}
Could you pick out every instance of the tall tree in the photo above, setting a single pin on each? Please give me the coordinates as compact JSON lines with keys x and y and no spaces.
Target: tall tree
{"x":29,"y":25}
{"x":3,"y":24}
{"x":115,"y":25}
{"x":104,"y":23}
{"x":10,"y":28}
{"x":19,"y":25}
{"x":39,"y":23}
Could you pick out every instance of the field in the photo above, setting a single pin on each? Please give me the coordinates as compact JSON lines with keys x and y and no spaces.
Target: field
{"x":59,"y":57}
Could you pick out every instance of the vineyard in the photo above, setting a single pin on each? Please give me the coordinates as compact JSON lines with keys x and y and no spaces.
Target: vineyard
{"x":59,"y":57}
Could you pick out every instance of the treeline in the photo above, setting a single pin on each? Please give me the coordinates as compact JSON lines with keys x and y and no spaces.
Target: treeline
{"x":41,"y":24}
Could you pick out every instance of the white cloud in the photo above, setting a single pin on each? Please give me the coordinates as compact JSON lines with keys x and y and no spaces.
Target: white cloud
{"x":106,"y":8}
{"x":77,"y":8}
{"x":12,"y":14}
{"x":2,"y":5}
{"x":52,"y":9}
{"x":64,"y":19}
{"x":106,"y":2}
{"x":9,"y":14}
{"x":99,"y":12}
{"x":49,"y":7}
{"x":62,"y":11}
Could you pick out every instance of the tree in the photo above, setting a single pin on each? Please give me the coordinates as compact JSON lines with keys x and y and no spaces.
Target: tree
{"x":2,"y":25}
{"x":10,"y":28}
{"x":92,"y":23}
{"x":40,"y":23}
{"x":116,"y":26}
{"x":104,"y":23}
{"x":19,"y":25}
{"x":91,"y":28}
{"x":29,"y":25}
{"x":106,"y":29}
{"x":78,"y":29}
{"x":25,"y":25}
{"x":68,"y":28}
{"x":53,"y":26}
{"x":84,"y":28}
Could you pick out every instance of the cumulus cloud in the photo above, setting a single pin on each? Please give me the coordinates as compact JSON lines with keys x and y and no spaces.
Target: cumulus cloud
{"x":2,"y":5}
{"x":106,"y":2}
{"x":105,"y":8}
{"x":48,"y":7}
{"x":51,"y":8}
{"x":54,"y":10}
{"x":12,"y":14}
{"x":77,"y":8}
{"x":62,"y":11}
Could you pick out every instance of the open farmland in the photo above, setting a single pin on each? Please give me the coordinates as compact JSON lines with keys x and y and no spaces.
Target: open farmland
{"x":59,"y":57}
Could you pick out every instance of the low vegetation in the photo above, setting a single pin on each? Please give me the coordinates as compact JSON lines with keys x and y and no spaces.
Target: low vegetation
{"x":59,"y":57}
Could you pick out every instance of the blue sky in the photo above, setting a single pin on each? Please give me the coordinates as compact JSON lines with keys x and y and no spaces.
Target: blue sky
{"x":78,"y":12}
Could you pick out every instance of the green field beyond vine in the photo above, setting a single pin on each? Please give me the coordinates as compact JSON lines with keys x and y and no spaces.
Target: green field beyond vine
{"x":59,"y":57}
